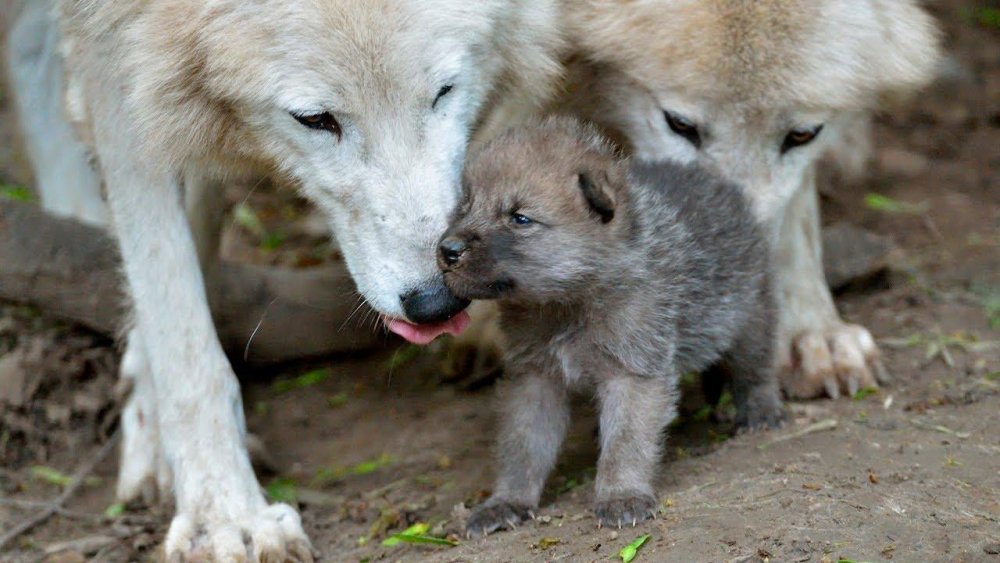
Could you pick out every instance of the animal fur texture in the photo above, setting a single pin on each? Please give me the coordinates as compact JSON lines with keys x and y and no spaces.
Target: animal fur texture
{"x":367,"y":105}
{"x":759,"y":90}
{"x":613,"y":276}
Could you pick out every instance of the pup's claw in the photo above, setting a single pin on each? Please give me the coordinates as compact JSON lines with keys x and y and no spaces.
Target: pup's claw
{"x":633,"y":509}
{"x":496,"y":515}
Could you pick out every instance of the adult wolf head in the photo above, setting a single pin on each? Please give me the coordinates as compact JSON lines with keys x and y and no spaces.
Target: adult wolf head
{"x":368,"y":104}
{"x":747,"y":85}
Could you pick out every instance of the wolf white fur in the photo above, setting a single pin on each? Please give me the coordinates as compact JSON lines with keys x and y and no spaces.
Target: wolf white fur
{"x":747,"y":74}
{"x":173,"y":96}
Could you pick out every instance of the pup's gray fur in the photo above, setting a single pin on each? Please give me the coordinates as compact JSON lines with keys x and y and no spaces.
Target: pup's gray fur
{"x":627,"y":276}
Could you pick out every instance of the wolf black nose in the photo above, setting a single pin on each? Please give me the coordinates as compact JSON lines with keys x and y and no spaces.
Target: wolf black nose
{"x":451,"y":250}
{"x":433,"y":304}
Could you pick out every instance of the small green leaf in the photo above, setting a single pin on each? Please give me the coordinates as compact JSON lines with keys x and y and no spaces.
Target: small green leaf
{"x":417,"y":533}
{"x":331,"y":474}
{"x":282,"y":489}
{"x":114,"y":511}
{"x":886,"y":204}
{"x":864,"y":393}
{"x":16,"y":193}
{"x":305,"y":380}
{"x":407,"y":538}
{"x":418,"y":529}
{"x":366,"y":467}
{"x":989,"y":17}
{"x":51,"y":476}
{"x":629,"y":552}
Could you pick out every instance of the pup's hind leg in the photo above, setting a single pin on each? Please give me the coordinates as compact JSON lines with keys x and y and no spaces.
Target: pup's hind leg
{"x":634,"y":412}
{"x":64,"y":179}
{"x":534,"y":417}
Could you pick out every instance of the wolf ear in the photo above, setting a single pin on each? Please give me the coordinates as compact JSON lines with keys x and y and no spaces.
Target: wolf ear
{"x":909,"y":52}
{"x":595,"y":188}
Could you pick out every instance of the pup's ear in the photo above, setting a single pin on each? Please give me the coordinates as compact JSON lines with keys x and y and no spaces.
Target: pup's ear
{"x":596,"y":190}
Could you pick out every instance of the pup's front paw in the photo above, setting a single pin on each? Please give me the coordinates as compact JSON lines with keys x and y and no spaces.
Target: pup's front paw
{"x":841,"y":359}
{"x":627,"y":510}
{"x":493,"y":516}
{"x":761,"y":418}
{"x":762,"y":410}
{"x":272,"y":535}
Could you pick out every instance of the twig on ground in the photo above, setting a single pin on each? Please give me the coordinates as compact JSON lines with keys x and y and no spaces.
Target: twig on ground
{"x":72,"y":514}
{"x":86,"y":545}
{"x":79,"y":476}
{"x":828,"y":424}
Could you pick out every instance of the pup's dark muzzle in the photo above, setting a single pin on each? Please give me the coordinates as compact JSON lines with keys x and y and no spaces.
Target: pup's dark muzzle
{"x":451,"y":250}
{"x":432,"y":304}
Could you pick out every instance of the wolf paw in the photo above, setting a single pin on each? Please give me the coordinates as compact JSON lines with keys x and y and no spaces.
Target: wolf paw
{"x":752,"y":419}
{"x":761,"y":410}
{"x":491,"y":517}
{"x":273,"y":535}
{"x":625,"y":511}
{"x":842,"y":359}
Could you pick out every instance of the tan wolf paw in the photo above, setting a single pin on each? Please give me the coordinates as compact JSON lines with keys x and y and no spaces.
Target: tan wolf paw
{"x":840,"y":360}
{"x":273,"y":535}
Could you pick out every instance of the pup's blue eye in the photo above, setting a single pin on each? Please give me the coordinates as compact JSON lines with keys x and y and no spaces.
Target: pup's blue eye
{"x":521,"y":220}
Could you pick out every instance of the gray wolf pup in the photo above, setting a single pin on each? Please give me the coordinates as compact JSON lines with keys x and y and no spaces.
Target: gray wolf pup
{"x":613,"y":276}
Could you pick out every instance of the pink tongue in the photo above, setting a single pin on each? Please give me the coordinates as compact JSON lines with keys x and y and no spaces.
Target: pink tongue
{"x":425,"y":334}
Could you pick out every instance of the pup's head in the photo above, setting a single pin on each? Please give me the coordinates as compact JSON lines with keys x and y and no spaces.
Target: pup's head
{"x":755,"y":89}
{"x":368,"y":104}
{"x":541,"y":215}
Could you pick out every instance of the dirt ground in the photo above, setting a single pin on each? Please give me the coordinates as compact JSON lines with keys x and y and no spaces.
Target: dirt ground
{"x":370,"y":445}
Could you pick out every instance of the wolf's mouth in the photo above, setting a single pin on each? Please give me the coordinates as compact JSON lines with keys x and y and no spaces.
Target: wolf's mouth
{"x":426,"y":333}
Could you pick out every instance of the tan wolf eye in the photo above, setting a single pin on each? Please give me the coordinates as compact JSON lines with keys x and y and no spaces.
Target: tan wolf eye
{"x":320,"y":121}
{"x":800,"y":137}
{"x":683,"y":127}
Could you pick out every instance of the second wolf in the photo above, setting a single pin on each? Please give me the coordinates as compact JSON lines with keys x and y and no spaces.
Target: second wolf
{"x":610,"y":276}
{"x":759,"y":91}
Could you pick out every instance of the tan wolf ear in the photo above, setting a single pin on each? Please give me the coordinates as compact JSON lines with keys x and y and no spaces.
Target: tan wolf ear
{"x":903,"y":48}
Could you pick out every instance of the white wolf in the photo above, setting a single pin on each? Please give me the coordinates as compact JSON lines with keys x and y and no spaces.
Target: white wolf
{"x":368,"y":105}
{"x":758,"y":89}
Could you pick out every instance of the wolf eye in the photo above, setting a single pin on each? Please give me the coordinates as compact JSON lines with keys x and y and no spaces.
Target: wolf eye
{"x":444,"y":91}
{"x":799,"y":137}
{"x":321,"y":122}
{"x":521,"y":220}
{"x":684,"y":127}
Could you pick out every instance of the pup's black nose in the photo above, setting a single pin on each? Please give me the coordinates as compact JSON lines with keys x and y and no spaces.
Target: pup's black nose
{"x":433,"y":304}
{"x":451,"y":250}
